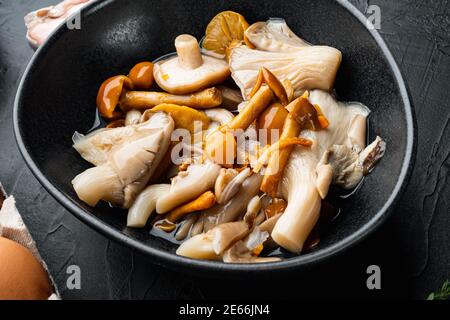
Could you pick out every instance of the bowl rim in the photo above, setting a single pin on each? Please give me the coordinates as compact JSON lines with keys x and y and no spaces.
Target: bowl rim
{"x":171,"y":260}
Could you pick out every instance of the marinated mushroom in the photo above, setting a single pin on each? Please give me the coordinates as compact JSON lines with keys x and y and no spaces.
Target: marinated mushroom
{"x":142,"y":100}
{"x":234,"y":208}
{"x":220,"y":145}
{"x":184,"y":117}
{"x":299,"y":181}
{"x":145,"y":204}
{"x":231,"y":98}
{"x":128,"y":165}
{"x":190,"y":70}
{"x":274,"y":35}
{"x":203,"y":202}
{"x":248,"y":180}
{"x":142,"y":75}
{"x":228,"y":183}
{"x":108,"y":95}
{"x":188,"y":185}
{"x":312,"y":67}
{"x":133,"y":117}
{"x":212,"y":244}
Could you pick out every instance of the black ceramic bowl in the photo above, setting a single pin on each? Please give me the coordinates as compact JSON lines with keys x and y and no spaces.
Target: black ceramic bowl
{"x":57,"y":97}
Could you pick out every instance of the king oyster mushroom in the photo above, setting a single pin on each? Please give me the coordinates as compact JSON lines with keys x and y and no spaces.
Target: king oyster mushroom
{"x":189,"y":70}
{"x":308,"y":172}
{"x":126,"y":167}
{"x":310,"y":67}
{"x":274,"y":35}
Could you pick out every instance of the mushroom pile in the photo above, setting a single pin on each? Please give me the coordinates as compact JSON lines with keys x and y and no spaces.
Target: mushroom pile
{"x":236,"y":172}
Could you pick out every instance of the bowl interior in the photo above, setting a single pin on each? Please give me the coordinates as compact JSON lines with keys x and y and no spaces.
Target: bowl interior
{"x":57,"y":97}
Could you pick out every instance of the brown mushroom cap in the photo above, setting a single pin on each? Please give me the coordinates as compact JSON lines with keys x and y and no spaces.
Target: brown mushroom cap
{"x":189,"y":70}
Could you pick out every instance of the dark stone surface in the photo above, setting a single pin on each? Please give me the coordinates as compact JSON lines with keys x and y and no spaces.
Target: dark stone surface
{"x":412,"y":248}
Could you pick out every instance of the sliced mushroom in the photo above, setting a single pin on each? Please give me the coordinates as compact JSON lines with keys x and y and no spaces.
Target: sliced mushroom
{"x":228,"y":183}
{"x":233,"y":209}
{"x":247,"y":250}
{"x":129,"y":164}
{"x":313,"y":67}
{"x":231,"y":98}
{"x":188,"y":185}
{"x":253,"y":209}
{"x":301,"y":181}
{"x":274,"y":35}
{"x":226,"y":234}
{"x":212,"y":244}
{"x":183,"y":230}
{"x":145,"y":204}
{"x":189,"y":71}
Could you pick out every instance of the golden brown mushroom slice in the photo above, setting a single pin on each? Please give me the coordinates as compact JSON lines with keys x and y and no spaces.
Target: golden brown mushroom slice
{"x":189,"y":70}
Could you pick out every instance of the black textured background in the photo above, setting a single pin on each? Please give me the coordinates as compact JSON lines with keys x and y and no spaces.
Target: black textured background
{"x":412,"y":248}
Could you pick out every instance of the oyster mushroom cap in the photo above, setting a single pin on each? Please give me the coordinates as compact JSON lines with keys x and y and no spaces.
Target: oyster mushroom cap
{"x":311,"y":67}
{"x":274,"y":35}
{"x":187,"y":185}
{"x":189,"y":70}
{"x":128,"y":165}
{"x":96,"y":146}
{"x":307,"y":172}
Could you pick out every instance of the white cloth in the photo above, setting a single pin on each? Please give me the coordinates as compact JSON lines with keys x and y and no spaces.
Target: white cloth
{"x":13,"y":228}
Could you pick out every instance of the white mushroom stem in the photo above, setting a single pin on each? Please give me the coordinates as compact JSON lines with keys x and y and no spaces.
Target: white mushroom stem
{"x":133,"y":117}
{"x":308,"y":173}
{"x":357,"y":133}
{"x":188,"y":50}
{"x":99,"y":183}
{"x":299,"y":218}
{"x":145,"y":204}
